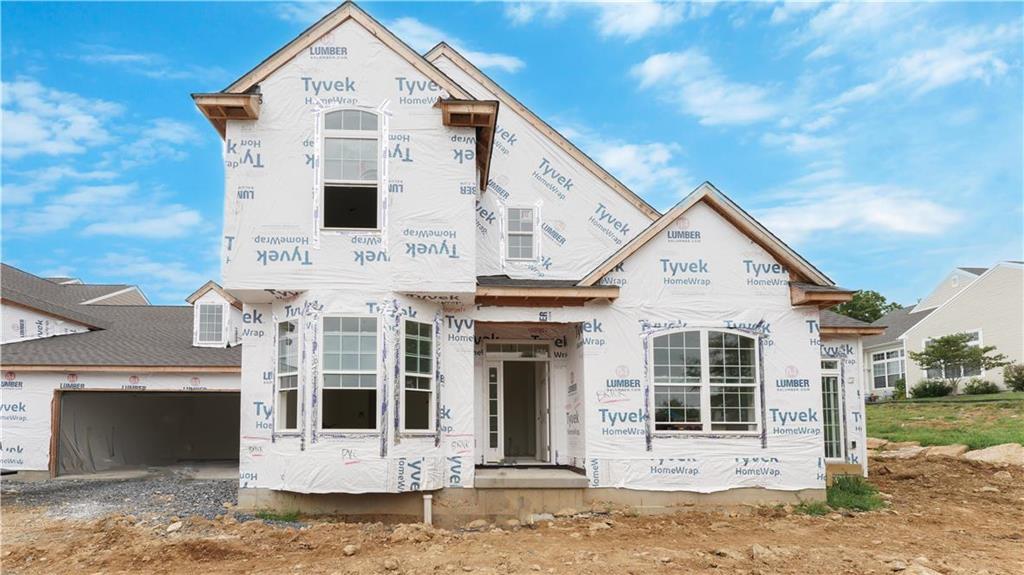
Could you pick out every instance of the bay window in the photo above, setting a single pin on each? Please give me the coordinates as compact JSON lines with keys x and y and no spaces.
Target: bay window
{"x":705,"y":381}
{"x":349,"y":379}
{"x":418,"y":411}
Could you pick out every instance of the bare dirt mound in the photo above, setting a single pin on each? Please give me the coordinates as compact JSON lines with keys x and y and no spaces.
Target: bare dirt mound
{"x":946,"y":516}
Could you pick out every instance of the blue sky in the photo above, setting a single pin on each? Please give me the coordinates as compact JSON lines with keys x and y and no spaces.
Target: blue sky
{"x":883,"y":141}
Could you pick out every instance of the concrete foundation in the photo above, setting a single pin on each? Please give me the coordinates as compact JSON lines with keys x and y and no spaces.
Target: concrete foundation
{"x":509,"y":495}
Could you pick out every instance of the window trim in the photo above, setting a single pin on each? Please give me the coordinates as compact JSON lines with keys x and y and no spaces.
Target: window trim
{"x":432,"y":413}
{"x":324,"y":371}
{"x":901,"y":359}
{"x":534,"y":236}
{"x":297,"y":430}
{"x":705,"y":386}
{"x":199,"y":325}
{"x":325,"y":133}
{"x":976,"y":343}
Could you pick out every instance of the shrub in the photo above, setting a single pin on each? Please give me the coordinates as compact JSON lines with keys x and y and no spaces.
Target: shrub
{"x":978,"y":386}
{"x":900,"y":391}
{"x":814,"y":508}
{"x":853,"y":492}
{"x":931,"y":388}
{"x":1013,"y":376}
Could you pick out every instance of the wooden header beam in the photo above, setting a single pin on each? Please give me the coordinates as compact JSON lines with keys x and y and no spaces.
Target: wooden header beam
{"x":542,"y":296}
{"x":798,"y":295}
{"x":865,"y":330}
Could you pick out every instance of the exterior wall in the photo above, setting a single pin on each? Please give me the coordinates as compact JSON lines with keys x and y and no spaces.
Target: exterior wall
{"x":994,"y":303}
{"x":950,"y":286}
{"x":583,"y":220}
{"x":602,"y":381}
{"x":25,"y":408}
{"x":272,"y":233}
{"x":22,"y":324}
{"x":232,"y":320}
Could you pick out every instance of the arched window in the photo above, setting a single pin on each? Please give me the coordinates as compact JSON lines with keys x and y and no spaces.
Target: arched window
{"x":705,"y":381}
{"x":351,"y":153}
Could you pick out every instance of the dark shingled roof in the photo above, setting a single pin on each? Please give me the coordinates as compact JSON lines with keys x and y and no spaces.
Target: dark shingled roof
{"x":975,"y":271}
{"x":142,"y":335}
{"x":122,"y":335}
{"x":505,"y":281}
{"x":896,"y":323}
{"x":830,"y":318}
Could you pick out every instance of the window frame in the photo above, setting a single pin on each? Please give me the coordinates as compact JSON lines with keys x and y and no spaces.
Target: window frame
{"x":976,"y":343}
{"x":705,"y":386}
{"x":325,"y":372}
{"x":343,"y":134}
{"x":222,"y":336}
{"x":534,"y":237}
{"x":431,"y":403}
{"x":278,"y":375}
{"x":900,"y":360}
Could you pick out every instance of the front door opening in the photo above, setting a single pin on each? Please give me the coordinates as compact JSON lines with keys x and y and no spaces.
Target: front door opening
{"x":517,"y":410}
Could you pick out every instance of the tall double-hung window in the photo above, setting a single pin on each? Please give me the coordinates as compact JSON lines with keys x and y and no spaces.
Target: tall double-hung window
{"x":349,"y":380}
{"x":705,"y":381}
{"x":351,"y":154}
{"x":418,"y":410}
{"x":286,"y":402}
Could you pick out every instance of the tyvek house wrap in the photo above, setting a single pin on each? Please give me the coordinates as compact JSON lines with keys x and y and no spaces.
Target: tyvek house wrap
{"x":272,"y":236}
{"x":699,"y":273}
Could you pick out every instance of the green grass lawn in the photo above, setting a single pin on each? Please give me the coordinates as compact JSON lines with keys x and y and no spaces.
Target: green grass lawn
{"x":977,"y":421}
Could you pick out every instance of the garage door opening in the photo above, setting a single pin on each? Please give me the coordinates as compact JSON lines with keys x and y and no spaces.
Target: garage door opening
{"x":107,"y":430}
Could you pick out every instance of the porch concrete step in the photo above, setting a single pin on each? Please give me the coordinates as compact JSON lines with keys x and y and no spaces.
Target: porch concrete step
{"x":528,"y":478}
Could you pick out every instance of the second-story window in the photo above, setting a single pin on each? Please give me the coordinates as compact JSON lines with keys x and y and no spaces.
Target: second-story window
{"x":211,"y":323}
{"x":520,"y":235}
{"x":351,"y":153}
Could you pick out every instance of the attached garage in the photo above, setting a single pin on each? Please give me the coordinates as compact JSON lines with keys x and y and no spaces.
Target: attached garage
{"x":102,"y":430}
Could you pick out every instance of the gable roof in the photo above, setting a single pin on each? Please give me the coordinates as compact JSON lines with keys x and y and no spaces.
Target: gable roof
{"x":896,"y":323}
{"x":735,"y":215}
{"x":506,"y":99}
{"x":213,"y":286}
{"x":59,"y":300}
{"x":347,"y":11}
{"x":139,"y":336}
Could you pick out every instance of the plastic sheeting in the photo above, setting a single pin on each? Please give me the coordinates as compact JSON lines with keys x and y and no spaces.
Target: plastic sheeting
{"x":26,"y":405}
{"x":22,"y":324}
{"x":437,"y":234}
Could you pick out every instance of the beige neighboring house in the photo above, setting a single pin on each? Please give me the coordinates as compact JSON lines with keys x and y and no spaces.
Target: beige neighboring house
{"x":987,"y":303}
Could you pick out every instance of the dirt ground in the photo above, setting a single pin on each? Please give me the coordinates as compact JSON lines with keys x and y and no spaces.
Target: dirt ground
{"x":945,"y":516}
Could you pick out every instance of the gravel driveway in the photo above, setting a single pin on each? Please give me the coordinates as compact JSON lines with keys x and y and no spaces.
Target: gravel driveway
{"x":159,"y":494}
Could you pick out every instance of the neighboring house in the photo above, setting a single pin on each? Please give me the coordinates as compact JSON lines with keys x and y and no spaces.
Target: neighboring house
{"x":986,"y":303}
{"x":439,"y":289}
{"x":94,"y":377}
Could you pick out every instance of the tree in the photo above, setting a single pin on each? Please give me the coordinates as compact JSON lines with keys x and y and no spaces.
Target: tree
{"x":866,"y":305}
{"x":953,"y":354}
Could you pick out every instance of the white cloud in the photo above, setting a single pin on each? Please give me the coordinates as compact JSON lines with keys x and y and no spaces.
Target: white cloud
{"x":692,"y":80}
{"x":800,"y":142}
{"x":969,"y":55}
{"x":43,"y":180}
{"x":141,"y":269}
{"x":422,"y":37}
{"x":148,"y":64}
{"x":63,"y":211}
{"x":844,"y":25}
{"x":858,"y":208}
{"x":304,"y":13}
{"x":788,"y":10}
{"x":162,"y":139}
{"x":634,"y":20}
{"x":519,"y":13}
{"x":650,"y":169}
{"x":171,"y":222}
{"x":42,"y":120}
